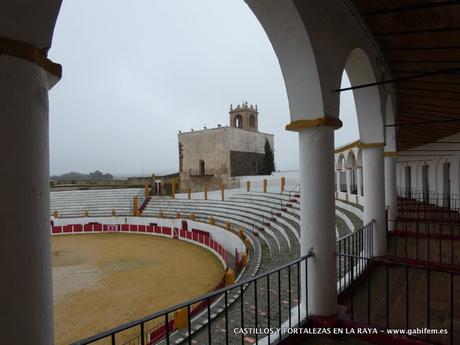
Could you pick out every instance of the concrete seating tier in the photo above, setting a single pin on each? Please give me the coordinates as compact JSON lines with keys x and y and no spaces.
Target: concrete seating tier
{"x":272,"y":219}
{"x":272,"y":246}
{"x":261,"y":218}
{"x":269,"y":220}
{"x":96,"y":202}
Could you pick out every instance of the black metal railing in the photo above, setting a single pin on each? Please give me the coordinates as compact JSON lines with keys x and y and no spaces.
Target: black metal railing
{"x":411,"y":209}
{"x":445,"y":200}
{"x":272,"y":297}
{"x":429,"y":241}
{"x":294,"y":191}
{"x":370,"y":292}
{"x":357,"y":243}
{"x":399,"y":296}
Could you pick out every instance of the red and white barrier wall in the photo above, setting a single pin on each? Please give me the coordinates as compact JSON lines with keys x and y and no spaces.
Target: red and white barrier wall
{"x":215,"y":239}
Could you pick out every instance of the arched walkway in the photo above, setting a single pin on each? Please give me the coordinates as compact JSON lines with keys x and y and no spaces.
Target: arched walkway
{"x":298,"y":33}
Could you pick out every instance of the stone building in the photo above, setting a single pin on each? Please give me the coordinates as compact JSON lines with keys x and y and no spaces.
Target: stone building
{"x":218,"y":155}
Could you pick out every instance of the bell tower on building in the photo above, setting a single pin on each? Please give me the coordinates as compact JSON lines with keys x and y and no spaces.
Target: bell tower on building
{"x":244,"y":116}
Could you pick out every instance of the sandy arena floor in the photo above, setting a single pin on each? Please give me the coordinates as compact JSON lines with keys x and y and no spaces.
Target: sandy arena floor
{"x":103,"y":280}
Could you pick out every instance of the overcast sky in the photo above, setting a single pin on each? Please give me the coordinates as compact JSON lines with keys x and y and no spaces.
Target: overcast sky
{"x":135,"y":73}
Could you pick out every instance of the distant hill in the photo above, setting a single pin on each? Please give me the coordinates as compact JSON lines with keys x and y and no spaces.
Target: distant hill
{"x":75,"y":176}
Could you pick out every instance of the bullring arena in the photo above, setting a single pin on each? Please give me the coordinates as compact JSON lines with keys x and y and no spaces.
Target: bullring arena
{"x":108,"y":271}
{"x":111,"y":267}
{"x":121,"y":277}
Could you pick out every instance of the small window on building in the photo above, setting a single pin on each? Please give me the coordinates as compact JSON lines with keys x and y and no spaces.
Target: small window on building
{"x":238,"y":121}
{"x":202,"y":168}
{"x":252,"y":121}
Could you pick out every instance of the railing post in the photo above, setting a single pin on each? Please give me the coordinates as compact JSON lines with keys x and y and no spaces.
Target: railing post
{"x":146,"y":190}
{"x":135,"y":206}
{"x":174,"y":188}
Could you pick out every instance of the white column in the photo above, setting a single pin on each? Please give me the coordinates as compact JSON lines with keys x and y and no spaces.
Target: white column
{"x":338,"y":180}
{"x":26,"y":299}
{"x":374,"y":207}
{"x":348,"y":177}
{"x":317,"y":217}
{"x":390,"y":190}
{"x":359,"y":178}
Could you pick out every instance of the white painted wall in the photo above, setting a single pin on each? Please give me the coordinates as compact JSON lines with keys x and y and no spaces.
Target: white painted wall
{"x":225,"y":238}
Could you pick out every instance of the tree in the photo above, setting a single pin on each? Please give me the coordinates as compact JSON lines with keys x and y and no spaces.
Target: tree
{"x":269,"y":159}
{"x":96,"y":175}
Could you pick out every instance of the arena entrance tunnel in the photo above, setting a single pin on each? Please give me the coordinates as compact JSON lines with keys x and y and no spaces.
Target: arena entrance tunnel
{"x":298,"y":33}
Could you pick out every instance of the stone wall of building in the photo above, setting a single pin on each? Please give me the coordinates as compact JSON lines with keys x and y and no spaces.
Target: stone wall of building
{"x":246,"y":163}
{"x":212,"y":147}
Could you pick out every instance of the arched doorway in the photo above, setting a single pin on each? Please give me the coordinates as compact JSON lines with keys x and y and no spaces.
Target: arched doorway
{"x":202,"y":170}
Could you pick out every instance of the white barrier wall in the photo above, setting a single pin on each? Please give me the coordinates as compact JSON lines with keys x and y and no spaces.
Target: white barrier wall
{"x":273,"y":181}
{"x":353,"y":198}
{"x":227,"y":239}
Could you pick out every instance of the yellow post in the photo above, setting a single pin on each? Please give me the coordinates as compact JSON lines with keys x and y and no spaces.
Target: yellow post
{"x":283,"y":184}
{"x":205,"y":192}
{"x":222,"y":188}
{"x":247,"y":243}
{"x":85,"y":213}
{"x":248,"y":186}
{"x":228,"y":226}
{"x":189,"y":193}
{"x":146,"y":190}
{"x":161,"y":214}
{"x":114,"y":213}
{"x":212,"y":221}
{"x":229,"y":277}
{"x":177,"y":215}
{"x":192,"y":216}
{"x":265,"y":185}
{"x":241,"y":233}
{"x":56,"y":214}
{"x":135,"y":207}
{"x":181,"y":318}
{"x":174,"y":188}
{"x":244,"y":259}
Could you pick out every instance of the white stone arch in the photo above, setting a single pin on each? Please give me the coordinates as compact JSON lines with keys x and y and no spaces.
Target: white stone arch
{"x":351,"y":160}
{"x":298,"y":33}
{"x":367,"y":100}
{"x":359,"y":159}
{"x":341,"y":163}
{"x":291,"y":42}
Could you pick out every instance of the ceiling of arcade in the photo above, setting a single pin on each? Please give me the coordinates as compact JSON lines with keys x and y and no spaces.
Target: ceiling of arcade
{"x":420,"y":38}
